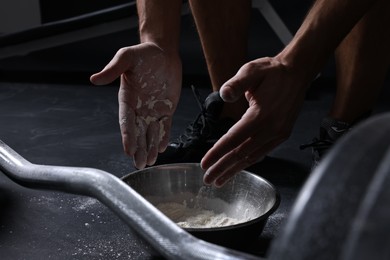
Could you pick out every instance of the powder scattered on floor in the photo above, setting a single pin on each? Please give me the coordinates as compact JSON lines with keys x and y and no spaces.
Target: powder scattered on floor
{"x":187,"y":217}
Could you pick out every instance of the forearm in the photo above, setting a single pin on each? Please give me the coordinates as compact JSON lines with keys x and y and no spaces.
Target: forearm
{"x":159,"y":22}
{"x":326,"y":24}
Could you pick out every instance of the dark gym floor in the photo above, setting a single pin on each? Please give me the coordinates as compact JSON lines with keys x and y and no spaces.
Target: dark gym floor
{"x":68,"y":122}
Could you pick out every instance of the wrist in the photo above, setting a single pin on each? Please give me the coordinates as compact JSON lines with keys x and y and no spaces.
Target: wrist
{"x":159,"y":23}
{"x":168,"y":46}
{"x":303,"y":65}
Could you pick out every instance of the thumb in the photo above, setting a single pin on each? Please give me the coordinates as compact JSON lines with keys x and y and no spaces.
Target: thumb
{"x":113,"y":70}
{"x":246,"y":78}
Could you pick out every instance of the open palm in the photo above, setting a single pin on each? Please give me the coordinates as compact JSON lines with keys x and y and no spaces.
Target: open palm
{"x":148,"y":95}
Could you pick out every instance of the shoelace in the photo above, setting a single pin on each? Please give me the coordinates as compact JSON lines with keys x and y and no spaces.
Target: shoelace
{"x":317,"y":144}
{"x":197,"y":127}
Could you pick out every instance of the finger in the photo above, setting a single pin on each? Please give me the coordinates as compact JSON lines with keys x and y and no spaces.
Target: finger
{"x":140,"y":155}
{"x":240,"y":155}
{"x":153,"y":138}
{"x":128,"y":132}
{"x":127,"y":122}
{"x":165,"y":128}
{"x":236,"y":168}
{"x":230,"y":165}
{"x":247,"y":77}
{"x":252,"y":159}
{"x":118,"y":65}
{"x":237,"y":134}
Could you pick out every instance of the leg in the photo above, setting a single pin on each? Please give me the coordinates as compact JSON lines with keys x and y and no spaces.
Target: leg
{"x":223,"y":29}
{"x":362,"y":61}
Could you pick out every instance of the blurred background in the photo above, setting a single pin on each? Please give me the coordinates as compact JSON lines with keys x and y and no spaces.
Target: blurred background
{"x":43,"y":40}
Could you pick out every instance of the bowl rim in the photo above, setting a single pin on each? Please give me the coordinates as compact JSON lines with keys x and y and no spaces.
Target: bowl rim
{"x":260,"y":218}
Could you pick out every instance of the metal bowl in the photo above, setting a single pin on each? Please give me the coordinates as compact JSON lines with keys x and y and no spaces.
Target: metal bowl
{"x":245,"y":197}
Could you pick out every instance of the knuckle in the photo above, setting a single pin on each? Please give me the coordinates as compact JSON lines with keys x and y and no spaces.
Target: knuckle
{"x":268,"y":60}
{"x":250,"y":67}
{"x":121,"y":52}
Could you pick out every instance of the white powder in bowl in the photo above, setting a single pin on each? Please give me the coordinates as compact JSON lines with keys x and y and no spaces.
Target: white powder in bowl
{"x":187,"y":217}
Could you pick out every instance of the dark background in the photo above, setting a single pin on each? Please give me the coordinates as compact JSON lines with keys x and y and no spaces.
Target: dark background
{"x":51,"y":114}
{"x":74,"y":62}
{"x":57,"y":10}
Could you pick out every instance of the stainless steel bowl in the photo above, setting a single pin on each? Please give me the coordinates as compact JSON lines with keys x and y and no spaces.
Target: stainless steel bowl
{"x":244,"y":196}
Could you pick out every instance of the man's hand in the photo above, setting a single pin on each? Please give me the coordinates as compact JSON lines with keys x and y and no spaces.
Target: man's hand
{"x":275,"y":95}
{"x":148,"y":95}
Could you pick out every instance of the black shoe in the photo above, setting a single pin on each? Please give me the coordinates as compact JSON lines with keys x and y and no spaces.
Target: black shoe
{"x":330,"y":131}
{"x":200,"y":135}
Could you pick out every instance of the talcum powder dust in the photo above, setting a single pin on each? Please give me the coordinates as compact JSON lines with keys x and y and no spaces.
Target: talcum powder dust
{"x":187,"y":217}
